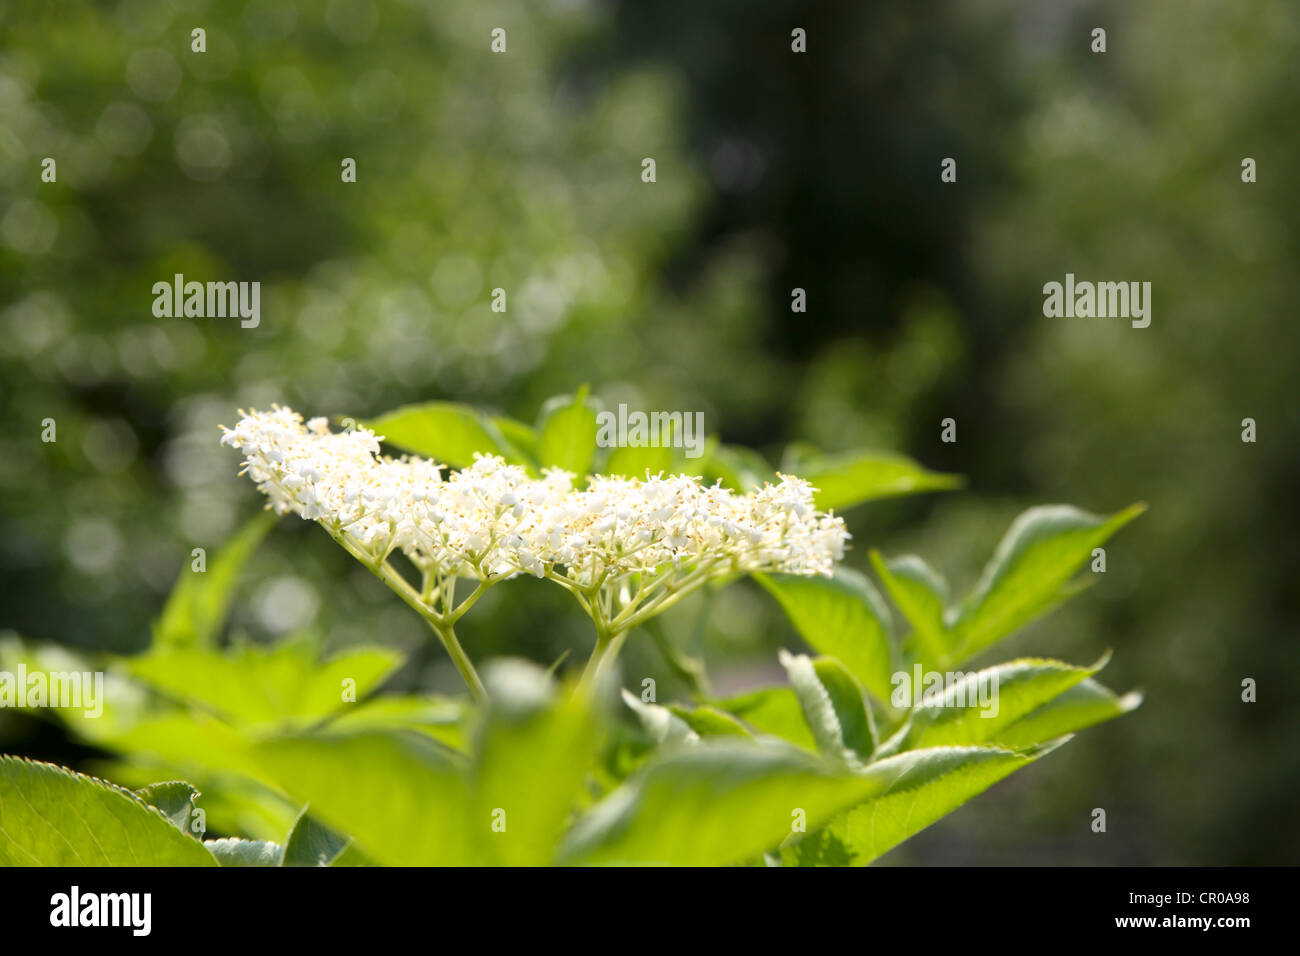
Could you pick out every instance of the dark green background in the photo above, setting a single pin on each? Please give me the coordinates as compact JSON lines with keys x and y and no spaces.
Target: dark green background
{"x":775,"y":171}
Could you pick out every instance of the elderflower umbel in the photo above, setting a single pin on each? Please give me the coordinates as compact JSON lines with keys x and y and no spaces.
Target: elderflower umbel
{"x":625,"y":546}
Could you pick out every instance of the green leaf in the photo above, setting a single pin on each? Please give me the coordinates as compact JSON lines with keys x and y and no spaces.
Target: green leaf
{"x":843,"y":617}
{"x":850,"y":479}
{"x":187,"y":742}
{"x":660,"y":724}
{"x":976,"y":707}
{"x":533,"y":752}
{"x":833,"y":707}
{"x":917,"y":788}
{"x":197,"y":607}
{"x":312,"y":844}
{"x":232,"y":851}
{"x":175,"y":799}
{"x":519,"y":439}
{"x":1028,"y":575}
{"x":352,"y":856}
{"x":739,"y":468}
{"x":709,"y":721}
{"x":921,"y":595}
{"x":403,"y":798}
{"x":636,"y":461}
{"x":1083,"y":705}
{"x":229,"y":803}
{"x":441,"y":718}
{"x":50,"y":816}
{"x":253,"y":684}
{"x":566,"y":430}
{"x":447,"y":432}
{"x":719,"y":802}
{"x":116,"y":705}
{"x":774,"y":711}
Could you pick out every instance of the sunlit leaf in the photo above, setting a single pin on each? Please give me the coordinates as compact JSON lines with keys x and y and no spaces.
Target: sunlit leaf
{"x":976,"y":707}
{"x":843,"y":617}
{"x":252,"y":684}
{"x":174,"y":799}
{"x":833,"y":706}
{"x":918,"y":788}
{"x":719,"y":802}
{"x":738,"y":468}
{"x":709,"y":721}
{"x":533,"y":751}
{"x":1083,"y":705}
{"x":566,"y":433}
{"x":853,"y":478}
{"x":638,"y":461}
{"x":402,"y":797}
{"x":774,"y":711}
{"x":311,"y":843}
{"x":518,"y":438}
{"x":447,"y":432}
{"x":198,"y":604}
{"x":921,"y":595}
{"x":660,"y":724}
{"x":232,"y":851}
{"x":50,"y":816}
{"x":1030,"y":572}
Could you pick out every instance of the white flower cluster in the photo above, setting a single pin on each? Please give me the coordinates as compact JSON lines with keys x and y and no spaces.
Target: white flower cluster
{"x":493,"y":519}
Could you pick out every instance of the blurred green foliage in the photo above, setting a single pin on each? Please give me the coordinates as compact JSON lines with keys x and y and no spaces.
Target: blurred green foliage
{"x":775,"y":171}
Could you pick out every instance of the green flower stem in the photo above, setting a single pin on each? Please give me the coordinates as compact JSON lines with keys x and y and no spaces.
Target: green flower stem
{"x":469,"y":602}
{"x":608,"y":644}
{"x":610,"y":634}
{"x":444,"y":627}
{"x":634,"y":616}
{"x":447,"y":634}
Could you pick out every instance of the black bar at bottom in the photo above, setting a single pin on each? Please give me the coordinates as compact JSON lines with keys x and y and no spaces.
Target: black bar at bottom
{"x":330,"y":906}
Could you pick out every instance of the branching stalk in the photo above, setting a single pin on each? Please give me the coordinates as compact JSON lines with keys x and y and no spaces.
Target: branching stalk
{"x":443,"y":625}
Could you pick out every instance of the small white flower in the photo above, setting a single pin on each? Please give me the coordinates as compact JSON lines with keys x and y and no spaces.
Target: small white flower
{"x":493,"y":520}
